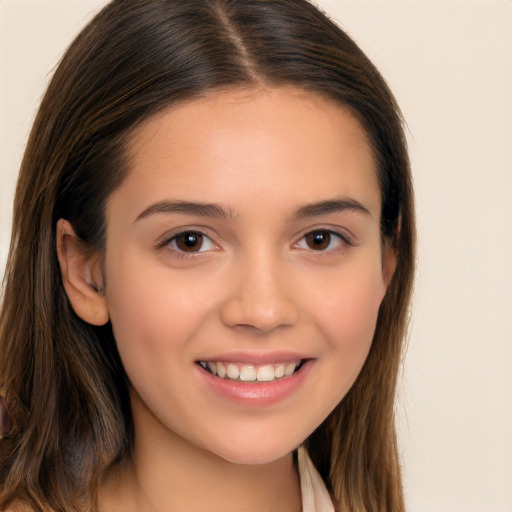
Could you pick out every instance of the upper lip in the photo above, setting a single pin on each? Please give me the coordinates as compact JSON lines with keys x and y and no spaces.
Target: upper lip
{"x":256,"y":357}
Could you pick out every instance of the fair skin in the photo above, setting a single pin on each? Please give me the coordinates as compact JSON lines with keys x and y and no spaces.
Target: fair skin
{"x":245,"y":235}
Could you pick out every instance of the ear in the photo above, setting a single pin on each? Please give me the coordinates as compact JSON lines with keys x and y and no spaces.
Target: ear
{"x":389,"y":259}
{"x":82,"y":276}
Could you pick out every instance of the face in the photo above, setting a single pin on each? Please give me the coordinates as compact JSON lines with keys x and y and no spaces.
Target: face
{"x":244,"y":269}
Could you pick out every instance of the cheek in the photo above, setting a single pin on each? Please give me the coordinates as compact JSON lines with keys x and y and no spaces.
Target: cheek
{"x":357,"y":308}
{"x":347,"y":315}
{"x":152,"y":314}
{"x":349,"y":300}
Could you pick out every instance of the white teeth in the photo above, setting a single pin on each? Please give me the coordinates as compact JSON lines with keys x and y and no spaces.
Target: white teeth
{"x":212,"y":367}
{"x":266,"y":373}
{"x":248,"y":373}
{"x":232,"y":371}
{"x":221,"y":370}
{"x":289,"y":369}
{"x":279,"y":371}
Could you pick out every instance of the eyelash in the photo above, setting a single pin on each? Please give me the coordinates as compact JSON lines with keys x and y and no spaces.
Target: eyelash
{"x":342,"y":240}
{"x":170,"y":242}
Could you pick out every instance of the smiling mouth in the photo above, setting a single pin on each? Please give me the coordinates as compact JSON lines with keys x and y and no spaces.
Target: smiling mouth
{"x":252,"y":372}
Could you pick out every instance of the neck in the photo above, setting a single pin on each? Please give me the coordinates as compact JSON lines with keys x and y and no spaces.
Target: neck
{"x":168,"y":473}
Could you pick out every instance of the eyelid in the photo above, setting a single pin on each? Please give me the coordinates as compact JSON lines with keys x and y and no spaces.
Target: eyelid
{"x":165,"y":241}
{"x":344,"y":238}
{"x":205,"y":241}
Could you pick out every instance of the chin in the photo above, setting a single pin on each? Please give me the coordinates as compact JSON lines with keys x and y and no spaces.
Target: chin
{"x":255,"y":453}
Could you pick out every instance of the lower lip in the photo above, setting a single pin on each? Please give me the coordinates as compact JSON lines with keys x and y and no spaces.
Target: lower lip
{"x":256,"y":393}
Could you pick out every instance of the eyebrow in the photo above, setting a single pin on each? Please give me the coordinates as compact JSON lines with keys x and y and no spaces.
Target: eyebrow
{"x":187,"y":207}
{"x":213,"y":210}
{"x":331,"y":206}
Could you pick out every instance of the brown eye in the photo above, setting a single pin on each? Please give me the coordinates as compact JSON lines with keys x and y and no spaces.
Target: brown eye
{"x":189,"y":241}
{"x":323,"y":240}
{"x":318,"y":240}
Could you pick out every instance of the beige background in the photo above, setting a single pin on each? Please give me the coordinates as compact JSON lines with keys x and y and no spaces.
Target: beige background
{"x":449,"y":64}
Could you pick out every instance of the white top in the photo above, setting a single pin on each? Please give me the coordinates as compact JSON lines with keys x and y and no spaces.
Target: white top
{"x":315,"y":497}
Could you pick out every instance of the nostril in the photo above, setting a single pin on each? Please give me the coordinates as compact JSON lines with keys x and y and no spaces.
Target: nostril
{"x":261,"y":313}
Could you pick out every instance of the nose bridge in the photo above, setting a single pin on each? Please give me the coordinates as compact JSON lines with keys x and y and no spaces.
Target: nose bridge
{"x":261,"y":296}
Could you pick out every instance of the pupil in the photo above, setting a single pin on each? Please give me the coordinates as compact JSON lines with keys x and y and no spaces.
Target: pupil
{"x":318,"y":240}
{"x":189,"y":242}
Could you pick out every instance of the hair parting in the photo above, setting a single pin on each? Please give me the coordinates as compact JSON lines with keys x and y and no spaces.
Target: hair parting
{"x":134,"y":59}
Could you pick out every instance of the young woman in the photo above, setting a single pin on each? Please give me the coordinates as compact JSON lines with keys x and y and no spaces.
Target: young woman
{"x":210,"y":269}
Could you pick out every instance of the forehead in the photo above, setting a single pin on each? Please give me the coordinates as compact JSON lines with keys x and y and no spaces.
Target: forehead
{"x":280,"y":143}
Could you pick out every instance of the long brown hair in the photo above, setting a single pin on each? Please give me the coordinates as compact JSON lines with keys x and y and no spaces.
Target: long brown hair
{"x":63,"y":377}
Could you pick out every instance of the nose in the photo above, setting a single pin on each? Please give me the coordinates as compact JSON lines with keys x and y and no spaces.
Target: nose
{"x":260,"y":297}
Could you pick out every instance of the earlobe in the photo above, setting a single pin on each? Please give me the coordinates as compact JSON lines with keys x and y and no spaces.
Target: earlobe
{"x":82,"y":276}
{"x":389,"y":261}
